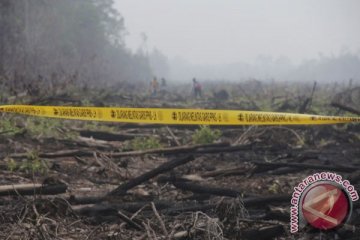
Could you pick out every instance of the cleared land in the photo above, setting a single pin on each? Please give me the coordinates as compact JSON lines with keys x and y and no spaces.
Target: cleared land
{"x":89,"y":180}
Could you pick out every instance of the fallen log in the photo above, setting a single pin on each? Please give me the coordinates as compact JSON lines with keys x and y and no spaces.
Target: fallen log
{"x":281,"y":170}
{"x":80,"y":142}
{"x":111,"y":209}
{"x":165,"y":179}
{"x":123,"y":188}
{"x":214,"y":147}
{"x":106,"y":136}
{"x":195,"y":188}
{"x":228,"y":172}
{"x":32,"y":189}
{"x":248,"y":202}
{"x":265,"y":166}
{"x":173,"y":150}
{"x":260,"y":201}
{"x":345,"y":108}
{"x":76,"y":200}
{"x":280,"y":214}
{"x":172,"y":208}
{"x":267,"y":232}
{"x":59,"y":154}
{"x":235,"y":148}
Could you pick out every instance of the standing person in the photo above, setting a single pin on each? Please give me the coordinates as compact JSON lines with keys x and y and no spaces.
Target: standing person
{"x":163,"y":85}
{"x":154,"y":87}
{"x":197,"y":88}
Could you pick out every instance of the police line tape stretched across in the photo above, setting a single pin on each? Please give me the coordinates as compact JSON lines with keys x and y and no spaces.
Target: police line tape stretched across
{"x":175,"y":116}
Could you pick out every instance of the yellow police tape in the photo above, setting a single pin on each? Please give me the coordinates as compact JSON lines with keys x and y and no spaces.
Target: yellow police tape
{"x":175,"y":116}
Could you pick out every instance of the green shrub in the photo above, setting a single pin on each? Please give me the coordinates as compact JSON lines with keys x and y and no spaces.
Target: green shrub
{"x":205,"y":135}
{"x":33,"y":164}
{"x":141,"y":143}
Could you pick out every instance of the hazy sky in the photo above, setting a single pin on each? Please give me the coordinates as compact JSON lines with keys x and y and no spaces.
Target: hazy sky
{"x":226,"y":31}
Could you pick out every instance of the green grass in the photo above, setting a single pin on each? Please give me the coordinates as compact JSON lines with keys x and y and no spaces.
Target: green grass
{"x":43,"y":126}
{"x":32,"y":165}
{"x":11,"y":165}
{"x":141,"y":143}
{"x":8,"y":127}
{"x":36,"y":127}
{"x":205,"y":135}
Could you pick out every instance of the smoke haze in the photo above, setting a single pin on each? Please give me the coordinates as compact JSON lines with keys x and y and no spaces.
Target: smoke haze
{"x":289,"y":40}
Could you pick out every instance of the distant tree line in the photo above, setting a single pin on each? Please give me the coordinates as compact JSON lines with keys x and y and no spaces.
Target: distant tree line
{"x":333,"y":68}
{"x":56,"y":38}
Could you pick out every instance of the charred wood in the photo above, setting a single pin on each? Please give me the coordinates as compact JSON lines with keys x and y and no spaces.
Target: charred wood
{"x":265,"y":166}
{"x":122,"y":189}
{"x":106,"y":136}
{"x":195,"y":188}
{"x":32,"y":189}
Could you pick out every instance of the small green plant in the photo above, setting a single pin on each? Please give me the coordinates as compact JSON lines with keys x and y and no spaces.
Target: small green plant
{"x":98,"y":126}
{"x":141,"y":143}
{"x":11,"y":165}
{"x":43,"y":126}
{"x":86,"y":103}
{"x":274,"y":188}
{"x":8,"y":127}
{"x":205,"y":135}
{"x":323,"y":142}
{"x":33,"y":164}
